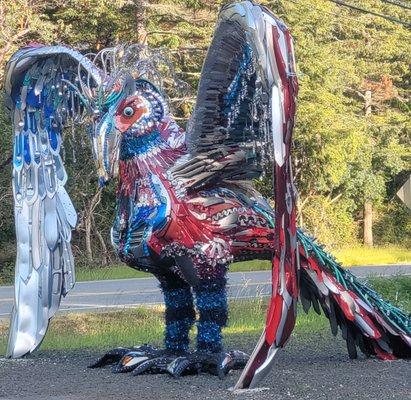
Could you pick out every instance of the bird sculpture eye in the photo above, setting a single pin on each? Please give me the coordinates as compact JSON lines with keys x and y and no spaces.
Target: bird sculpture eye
{"x":128,"y":111}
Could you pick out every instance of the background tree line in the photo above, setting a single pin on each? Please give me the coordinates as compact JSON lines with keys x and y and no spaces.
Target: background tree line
{"x":353,"y":127}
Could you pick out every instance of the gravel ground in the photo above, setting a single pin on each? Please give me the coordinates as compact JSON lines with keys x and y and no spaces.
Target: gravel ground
{"x":311,"y":367}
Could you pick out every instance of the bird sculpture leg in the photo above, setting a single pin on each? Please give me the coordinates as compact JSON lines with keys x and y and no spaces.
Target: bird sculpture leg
{"x":179,"y":318}
{"x":211,"y":302}
{"x":175,"y":358}
{"x":210,"y":356}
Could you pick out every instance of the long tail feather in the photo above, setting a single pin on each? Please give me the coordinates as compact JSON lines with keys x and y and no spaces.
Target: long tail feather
{"x":366,"y":321}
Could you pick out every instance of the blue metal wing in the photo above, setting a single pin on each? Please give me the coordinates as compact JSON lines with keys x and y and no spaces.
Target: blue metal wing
{"x":39,"y":84}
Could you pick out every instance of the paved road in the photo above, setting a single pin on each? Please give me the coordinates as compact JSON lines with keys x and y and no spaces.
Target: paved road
{"x":122,"y":293}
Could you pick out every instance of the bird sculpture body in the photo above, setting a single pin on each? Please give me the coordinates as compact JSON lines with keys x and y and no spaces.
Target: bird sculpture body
{"x":186,"y":207}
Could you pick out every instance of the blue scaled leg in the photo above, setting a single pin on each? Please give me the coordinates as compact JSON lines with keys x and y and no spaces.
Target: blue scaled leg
{"x":211,"y":302}
{"x":212,"y":307}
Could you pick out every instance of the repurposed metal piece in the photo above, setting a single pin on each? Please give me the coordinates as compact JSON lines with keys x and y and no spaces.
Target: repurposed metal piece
{"x":185,"y":205}
{"x":37,"y":85}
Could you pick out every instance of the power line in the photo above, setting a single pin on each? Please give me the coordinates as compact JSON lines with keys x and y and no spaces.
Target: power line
{"x":387,"y":17}
{"x":339,"y":16}
{"x":397,"y":3}
{"x":348,"y":18}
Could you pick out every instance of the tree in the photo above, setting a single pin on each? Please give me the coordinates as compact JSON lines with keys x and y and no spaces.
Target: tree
{"x":353,"y":122}
{"x":381,"y":58}
{"x":353,"y":104}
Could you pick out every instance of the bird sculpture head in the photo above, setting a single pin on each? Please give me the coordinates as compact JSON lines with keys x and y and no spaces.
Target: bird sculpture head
{"x":126,"y":104}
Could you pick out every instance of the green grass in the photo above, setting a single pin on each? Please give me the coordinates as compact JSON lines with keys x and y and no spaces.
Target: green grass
{"x":133,"y":326}
{"x":356,"y":255}
{"x":396,"y":290}
{"x":120,"y":271}
{"x":350,"y":256}
{"x":128,"y":327}
{"x":360,"y":255}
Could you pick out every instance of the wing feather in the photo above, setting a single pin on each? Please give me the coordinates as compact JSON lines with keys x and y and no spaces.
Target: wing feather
{"x":39,"y":87}
{"x":244,"y":103}
{"x":241,"y":127}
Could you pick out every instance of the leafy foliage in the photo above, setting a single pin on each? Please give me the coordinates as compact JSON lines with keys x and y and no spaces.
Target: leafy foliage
{"x":348,"y":149}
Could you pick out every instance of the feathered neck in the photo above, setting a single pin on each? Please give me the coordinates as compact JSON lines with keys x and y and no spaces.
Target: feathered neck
{"x":153,"y":152}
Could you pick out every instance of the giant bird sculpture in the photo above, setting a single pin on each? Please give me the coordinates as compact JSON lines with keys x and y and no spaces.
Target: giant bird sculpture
{"x":186,"y":207}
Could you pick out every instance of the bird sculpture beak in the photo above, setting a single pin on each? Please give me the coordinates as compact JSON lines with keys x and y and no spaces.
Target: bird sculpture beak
{"x":106,"y":146}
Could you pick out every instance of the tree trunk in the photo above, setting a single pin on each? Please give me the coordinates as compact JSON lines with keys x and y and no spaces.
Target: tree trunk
{"x":88,"y":219}
{"x":104,"y":252}
{"x":367,"y":234}
{"x":368,"y":237}
{"x":368,"y":103}
{"x":140,"y":14}
{"x":89,"y":250}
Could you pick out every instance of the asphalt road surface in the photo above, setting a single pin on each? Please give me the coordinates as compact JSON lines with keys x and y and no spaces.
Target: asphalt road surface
{"x":123,"y":293}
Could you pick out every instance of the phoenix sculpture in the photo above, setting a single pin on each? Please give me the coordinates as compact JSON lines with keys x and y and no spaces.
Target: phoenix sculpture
{"x":186,"y":206}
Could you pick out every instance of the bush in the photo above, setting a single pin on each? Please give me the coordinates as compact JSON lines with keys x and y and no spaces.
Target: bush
{"x":331,"y":223}
{"x":393,"y":224}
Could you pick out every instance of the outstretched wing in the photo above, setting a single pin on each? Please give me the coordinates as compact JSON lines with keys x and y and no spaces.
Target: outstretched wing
{"x":245,"y":105}
{"x":241,"y":127}
{"x":41,"y":95}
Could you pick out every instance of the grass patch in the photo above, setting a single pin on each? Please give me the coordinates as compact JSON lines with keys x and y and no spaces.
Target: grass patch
{"x":360,"y":255}
{"x":122,"y":271}
{"x":128,"y":327}
{"x":117,"y":271}
{"x":348,"y":256}
{"x":396,"y":290}
{"x":356,"y":255}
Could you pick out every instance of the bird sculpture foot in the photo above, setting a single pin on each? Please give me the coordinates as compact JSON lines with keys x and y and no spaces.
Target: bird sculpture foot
{"x":147,"y":359}
{"x":144,"y":357}
{"x":219,"y":364}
